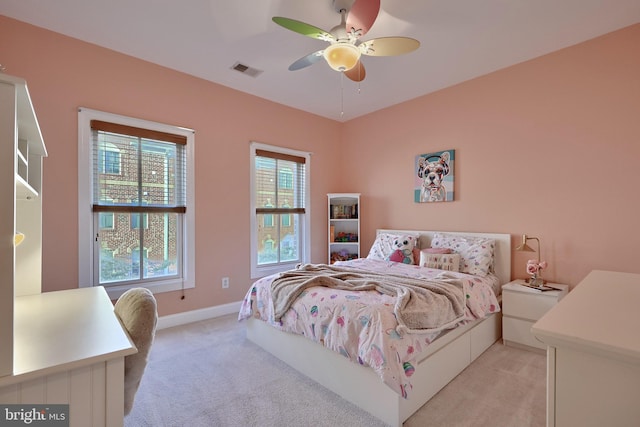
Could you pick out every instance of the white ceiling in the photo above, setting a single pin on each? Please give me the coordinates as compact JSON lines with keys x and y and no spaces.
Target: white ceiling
{"x":460,"y":40}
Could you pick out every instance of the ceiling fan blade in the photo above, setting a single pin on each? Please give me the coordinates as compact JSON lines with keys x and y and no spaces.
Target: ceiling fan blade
{"x":357,"y":73}
{"x":362,"y":15}
{"x":302,"y":28}
{"x":305,"y":61}
{"x":388,"y":46}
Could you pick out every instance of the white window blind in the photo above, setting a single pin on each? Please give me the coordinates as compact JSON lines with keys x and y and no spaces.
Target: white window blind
{"x":279,"y":183}
{"x":137,"y":170}
{"x":139,"y":178}
{"x":280,"y":207}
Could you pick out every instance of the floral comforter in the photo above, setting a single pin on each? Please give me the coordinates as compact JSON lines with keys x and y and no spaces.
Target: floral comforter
{"x":361,"y":325}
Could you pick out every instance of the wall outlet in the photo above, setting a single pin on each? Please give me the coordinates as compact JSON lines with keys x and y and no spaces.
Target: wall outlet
{"x":225,"y":282}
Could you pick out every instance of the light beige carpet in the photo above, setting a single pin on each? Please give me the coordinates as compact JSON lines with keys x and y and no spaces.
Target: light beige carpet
{"x":208,"y":374}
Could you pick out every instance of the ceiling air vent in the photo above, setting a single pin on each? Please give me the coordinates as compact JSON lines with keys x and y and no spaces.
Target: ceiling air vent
{"x":245,"y":69}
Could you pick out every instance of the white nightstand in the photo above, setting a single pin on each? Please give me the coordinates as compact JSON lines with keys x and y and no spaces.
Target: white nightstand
{"x":522,"y":307}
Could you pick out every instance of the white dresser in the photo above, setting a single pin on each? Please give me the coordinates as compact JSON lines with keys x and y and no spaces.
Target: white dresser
{"x":593,"y":353}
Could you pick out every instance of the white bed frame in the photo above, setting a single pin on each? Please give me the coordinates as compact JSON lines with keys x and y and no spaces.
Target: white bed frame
{"x":443,"y":360}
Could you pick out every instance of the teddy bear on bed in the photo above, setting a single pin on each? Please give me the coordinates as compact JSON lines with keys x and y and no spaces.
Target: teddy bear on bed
{"x":402,"y":250}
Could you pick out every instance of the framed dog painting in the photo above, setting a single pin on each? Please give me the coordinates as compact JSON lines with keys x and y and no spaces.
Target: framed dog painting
{"x":434,"y":177}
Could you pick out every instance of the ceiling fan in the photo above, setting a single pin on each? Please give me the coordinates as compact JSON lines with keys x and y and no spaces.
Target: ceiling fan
{"x":343,"y":53}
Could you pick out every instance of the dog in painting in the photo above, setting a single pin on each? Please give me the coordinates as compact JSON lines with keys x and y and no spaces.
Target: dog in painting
{"x":432,"y":174}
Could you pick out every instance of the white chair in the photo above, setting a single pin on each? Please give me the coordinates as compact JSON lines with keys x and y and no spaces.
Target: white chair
{"x":137,"y":311}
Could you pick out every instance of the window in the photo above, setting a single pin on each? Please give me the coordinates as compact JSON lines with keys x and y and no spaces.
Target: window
{"x":106,"y":220}
{"x":109,"y":159}
{"x":267,"y":219}
{"x":135,"y":220}
{"x":279,"y":235}
{"x":286,"y":218}
{"x":285,"y":179}
{"x":136,"y":204}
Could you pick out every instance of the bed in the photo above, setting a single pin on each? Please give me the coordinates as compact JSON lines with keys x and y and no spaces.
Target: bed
{"x":430,"y":359}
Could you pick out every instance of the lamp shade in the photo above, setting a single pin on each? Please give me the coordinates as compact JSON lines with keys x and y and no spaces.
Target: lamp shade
{"x":342,"y":56}
{"x":523,"y":246}
{"x":526,"y":248}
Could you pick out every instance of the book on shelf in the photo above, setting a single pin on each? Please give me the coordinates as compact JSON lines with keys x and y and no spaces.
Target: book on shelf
{"x":344,"y":211}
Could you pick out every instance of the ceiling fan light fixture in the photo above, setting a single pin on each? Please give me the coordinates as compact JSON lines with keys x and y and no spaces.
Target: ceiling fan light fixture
{"x":342,"y":56}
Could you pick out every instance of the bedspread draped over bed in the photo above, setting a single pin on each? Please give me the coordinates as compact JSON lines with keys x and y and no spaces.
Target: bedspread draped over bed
{"x":421,"y":305}
{"x":363,"y":325}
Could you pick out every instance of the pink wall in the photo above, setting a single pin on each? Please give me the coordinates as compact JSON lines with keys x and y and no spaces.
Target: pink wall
{"x":64,"y":74}
{"x":545,"y":148}
{"x":549,"y":147}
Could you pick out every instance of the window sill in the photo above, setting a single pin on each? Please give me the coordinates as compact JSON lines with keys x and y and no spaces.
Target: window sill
{"x":155,"y":287}
{"x":259,"y":272}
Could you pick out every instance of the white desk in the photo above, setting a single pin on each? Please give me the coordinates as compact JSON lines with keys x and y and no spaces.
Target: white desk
{"x":593,"y":354}
{"x":69,"y":347}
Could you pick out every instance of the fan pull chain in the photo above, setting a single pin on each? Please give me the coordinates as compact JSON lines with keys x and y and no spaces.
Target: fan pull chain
{"x":341,"y":94}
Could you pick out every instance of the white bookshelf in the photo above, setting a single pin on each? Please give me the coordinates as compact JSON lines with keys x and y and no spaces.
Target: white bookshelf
{"x":343,"y":213}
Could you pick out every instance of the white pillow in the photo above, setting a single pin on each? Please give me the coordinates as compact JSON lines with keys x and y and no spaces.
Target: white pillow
{"x":450,"y":262}
{"x":476,"y":253}
{"x":383,"y":245}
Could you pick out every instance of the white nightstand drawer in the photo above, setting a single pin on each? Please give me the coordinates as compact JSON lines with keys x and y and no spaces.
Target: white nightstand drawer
{"x":519,"y":331}
{"x":522,"y":307}
{"x":527,"y":305}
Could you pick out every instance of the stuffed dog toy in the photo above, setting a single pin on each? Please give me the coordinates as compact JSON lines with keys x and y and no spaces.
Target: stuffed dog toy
{"x":432,"y":170}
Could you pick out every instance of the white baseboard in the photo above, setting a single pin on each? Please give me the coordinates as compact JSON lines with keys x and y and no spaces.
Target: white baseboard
{"x":197,"y":315}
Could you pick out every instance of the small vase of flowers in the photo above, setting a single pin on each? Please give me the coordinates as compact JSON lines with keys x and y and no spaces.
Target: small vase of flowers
{"x":534,"y":269}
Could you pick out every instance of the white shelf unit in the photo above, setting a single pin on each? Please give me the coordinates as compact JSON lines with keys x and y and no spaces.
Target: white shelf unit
{"x":343,"y":213}
{"x":22,"y":150}
{"x":48,"y":350}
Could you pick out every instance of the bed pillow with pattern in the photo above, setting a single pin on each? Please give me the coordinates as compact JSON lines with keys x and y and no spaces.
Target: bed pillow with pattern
{"x":476,"y":253}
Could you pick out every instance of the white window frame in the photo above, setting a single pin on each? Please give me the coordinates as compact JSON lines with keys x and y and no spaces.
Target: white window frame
{"x":305,"y":246}
{"x":85,"y":214}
